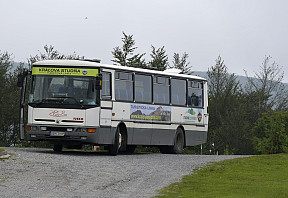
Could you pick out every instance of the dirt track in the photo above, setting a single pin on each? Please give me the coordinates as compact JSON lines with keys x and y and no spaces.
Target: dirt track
{"x":43,"y":173}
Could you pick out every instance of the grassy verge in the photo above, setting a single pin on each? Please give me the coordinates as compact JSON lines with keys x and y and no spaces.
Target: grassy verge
{"x":2,"y":156}
{"x":258,"y":176}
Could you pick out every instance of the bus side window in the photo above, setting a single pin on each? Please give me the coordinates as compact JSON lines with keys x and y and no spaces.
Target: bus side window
{"x":106,"y":86}
{"x":178,"y":92}
{"x":161,"y":90}
{"x":124,"y":86}
{"x":195,"y":94}
{"x":143,"y":88}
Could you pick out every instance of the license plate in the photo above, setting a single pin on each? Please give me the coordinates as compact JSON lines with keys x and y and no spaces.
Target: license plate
{"x":56,"y":133}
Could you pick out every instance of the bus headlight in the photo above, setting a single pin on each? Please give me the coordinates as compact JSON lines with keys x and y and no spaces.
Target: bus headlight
{"x":31,"y":128}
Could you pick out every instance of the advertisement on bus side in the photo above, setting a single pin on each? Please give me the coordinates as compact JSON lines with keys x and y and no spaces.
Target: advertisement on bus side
{"x":150,"y":112}
{"x":193,"y":115}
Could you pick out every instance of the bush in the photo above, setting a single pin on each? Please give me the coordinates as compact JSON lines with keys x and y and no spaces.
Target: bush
{"x":271,"y":133}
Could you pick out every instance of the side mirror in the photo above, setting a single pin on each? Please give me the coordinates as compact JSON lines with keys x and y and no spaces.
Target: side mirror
{"x":20,"y":80}
{"x":21,"y":77}
{"x":98,"y":84}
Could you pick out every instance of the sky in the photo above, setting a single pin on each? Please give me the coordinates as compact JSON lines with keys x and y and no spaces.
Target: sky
{"x":242,"y":32}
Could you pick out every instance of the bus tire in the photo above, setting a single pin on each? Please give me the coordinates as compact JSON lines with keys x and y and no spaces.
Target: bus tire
{"x":57,"y":147}
{"x":114,"y":148}
{"x":178,"y":145}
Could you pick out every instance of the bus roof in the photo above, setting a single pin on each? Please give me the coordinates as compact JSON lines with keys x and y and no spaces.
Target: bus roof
{"x":85,"y":63}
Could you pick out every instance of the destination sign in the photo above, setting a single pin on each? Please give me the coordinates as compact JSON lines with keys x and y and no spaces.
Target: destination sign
{"x":64,"y":71}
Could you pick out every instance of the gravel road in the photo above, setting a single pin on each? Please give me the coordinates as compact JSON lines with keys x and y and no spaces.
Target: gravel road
{"x":43,"y":173}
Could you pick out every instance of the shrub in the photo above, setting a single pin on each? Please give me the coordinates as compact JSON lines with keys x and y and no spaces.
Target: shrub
{"x":271,"y":133}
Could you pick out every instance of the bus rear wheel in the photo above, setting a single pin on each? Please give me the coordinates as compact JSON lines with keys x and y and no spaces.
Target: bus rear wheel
{"x":178,"y":144}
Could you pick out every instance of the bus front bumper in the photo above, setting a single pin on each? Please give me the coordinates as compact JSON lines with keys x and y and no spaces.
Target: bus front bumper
{"x":79,"y":135}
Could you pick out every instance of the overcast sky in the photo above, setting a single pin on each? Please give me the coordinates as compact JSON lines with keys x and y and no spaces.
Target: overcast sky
{"x":243,"y":32}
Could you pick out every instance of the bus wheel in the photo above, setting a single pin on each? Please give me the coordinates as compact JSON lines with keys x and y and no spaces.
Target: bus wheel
{"x":178,"y":146}
{"x":57,"y":147}
{"x":114,"y":148}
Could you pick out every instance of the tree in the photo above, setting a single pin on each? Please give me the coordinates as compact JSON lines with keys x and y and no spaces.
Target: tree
{"x":181,"y":63}
{"x":267,"y":88}
{"x":272,"y":133}
{"x":125,"y":54}
{"x":221,"y":85}
{"x":159,"y":58}
{"x":265,"y":95}
{"x":228,"y":126}
{"x":51,"y":54}
{"x":9,"y":105}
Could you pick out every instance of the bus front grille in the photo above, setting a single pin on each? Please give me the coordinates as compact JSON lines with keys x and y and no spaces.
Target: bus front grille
{"x":56,"y":129}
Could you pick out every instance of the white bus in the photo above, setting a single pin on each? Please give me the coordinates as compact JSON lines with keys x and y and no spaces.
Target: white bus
{"x":76,"y":102}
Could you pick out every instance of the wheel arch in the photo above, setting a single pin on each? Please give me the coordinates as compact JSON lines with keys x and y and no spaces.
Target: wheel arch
{"x":123,"y":128}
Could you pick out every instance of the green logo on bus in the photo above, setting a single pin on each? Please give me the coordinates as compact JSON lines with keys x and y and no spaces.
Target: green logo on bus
{"x":190,"y":111}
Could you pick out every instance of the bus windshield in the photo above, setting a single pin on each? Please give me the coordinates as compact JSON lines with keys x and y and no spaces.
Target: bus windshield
{"x":65,"y":91}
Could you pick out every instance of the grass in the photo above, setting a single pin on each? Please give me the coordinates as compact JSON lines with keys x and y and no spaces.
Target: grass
{"x":2,"y":158}
{"x":257,"y":176}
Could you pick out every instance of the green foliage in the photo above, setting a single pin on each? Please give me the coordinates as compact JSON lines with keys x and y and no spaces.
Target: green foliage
{"x":159,"y":58}
{"x":125,"y":55}
{"x":136,"y":61}
{"x":51,"y":54}
{"x":272,"y":133}
{"x":258,"y":176}
{"x":234,"y":111}
{"x":220,"y":81}
{"x":181,"y":63}
{"x":228,"y":124}
{"x":9,"y":103}
{"x":267,"y":88}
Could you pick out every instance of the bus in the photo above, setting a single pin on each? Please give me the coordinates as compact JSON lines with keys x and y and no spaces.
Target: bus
{"x":77,"y":102}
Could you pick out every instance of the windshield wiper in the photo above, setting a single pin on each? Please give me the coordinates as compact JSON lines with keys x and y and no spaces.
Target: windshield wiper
{"x":68,"y":97}
{"x":56,"y":99}
{"x":38,"y":103}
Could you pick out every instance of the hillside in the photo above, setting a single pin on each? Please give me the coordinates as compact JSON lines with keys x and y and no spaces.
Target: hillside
{"x":242,"y":79}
